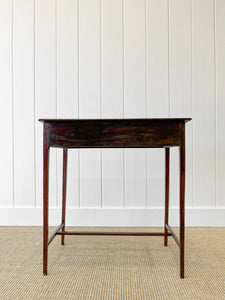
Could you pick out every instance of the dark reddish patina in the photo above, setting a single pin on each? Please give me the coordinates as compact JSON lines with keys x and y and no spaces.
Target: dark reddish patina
{"x":114,"y":133}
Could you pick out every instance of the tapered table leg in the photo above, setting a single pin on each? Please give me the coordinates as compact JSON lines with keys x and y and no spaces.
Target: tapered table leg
{"x":182,"y":201}
{"x":64,"y":192}
{"x":45,"y":202}
{"x":167,"y":176}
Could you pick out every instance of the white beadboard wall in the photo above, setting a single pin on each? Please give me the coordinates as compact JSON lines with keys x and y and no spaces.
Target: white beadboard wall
{"x":112,"y":59}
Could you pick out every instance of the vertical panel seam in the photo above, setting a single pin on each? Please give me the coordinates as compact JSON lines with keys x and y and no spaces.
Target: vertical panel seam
{"x":168,"y":57}
{"x":123,"y":54}
{"x":56,"y":100}
{"x":78,"y":91}
{"x":168,"y":39}
{"x":100,"y":87}
{"x":13,"y":150}
{"x":35,"y":186}
{"x":146,"y":108}
{"x":146,"y":86}
{"x":192,"y":102}
{"x":215,"y":94}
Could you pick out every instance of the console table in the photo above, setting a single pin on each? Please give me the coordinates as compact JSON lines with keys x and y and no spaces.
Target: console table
{"x":114,"y":133}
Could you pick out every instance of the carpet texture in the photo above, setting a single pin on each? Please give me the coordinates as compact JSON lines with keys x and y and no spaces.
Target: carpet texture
{"x":112,"y":267}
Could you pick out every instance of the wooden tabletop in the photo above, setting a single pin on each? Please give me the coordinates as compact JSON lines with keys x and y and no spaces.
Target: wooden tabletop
{"x":118,"y":119}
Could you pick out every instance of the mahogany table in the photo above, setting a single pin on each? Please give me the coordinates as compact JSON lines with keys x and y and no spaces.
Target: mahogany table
{"x":114,"y":133}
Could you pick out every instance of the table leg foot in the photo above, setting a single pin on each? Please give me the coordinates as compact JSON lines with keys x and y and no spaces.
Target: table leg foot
{"x":182,"y":274}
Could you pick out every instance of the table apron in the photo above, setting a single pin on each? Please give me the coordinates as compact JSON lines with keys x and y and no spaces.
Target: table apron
{"x":107,"y":135}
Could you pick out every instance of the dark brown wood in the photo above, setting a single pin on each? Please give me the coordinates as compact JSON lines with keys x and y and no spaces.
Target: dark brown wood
{"x":170,"y":230}
{"x":64,"y":192}
{"x":114,"y":133}
{"x":120,"y":133}
{"x":55,"y":232}
{"x":182,"y":199}
{"x":167,"y":184}
{"x":45,"y":198}
{"x":113,"y":233}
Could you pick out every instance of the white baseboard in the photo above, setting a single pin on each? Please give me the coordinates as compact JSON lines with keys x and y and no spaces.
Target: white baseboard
{"x":151,"y":217}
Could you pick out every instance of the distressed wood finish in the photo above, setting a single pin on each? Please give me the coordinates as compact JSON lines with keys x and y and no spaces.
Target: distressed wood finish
{"x":114,"y":133}
{"x":117,"y":133}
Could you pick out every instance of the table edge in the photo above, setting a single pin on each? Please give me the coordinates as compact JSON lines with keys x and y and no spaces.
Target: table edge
{"x":128,"y":119}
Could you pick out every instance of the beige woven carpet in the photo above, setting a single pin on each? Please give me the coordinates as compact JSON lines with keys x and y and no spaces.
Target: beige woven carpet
{"x":110,"y":267}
